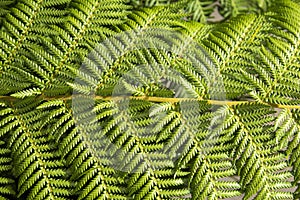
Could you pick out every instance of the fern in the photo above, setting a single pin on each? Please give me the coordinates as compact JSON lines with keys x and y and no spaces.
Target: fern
{"x":36,"y":164}
{"x":22,"y":28}
{"x":233,"y":8}
{"x":7,"y":183}
{"x":237,"y":7}
{"x":282,"y":62}
{"x":93,"y":179}
{"x":256,"y":156}
{"x":200,"y":11}
{"x":4,"y":7}
{"x":163,"y":107}
{"x":77,"y":152}
{"x":196,"y":10}
{"x":147,"y":3}
{"x":59,"y":49}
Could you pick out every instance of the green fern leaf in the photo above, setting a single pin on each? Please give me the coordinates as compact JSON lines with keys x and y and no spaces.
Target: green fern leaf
{"x":39,"y":171}
{"x":27,"y":22}
{"x":257,"y":160}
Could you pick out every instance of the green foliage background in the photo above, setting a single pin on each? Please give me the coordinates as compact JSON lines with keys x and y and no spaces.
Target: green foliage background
{"x":254,"y":146}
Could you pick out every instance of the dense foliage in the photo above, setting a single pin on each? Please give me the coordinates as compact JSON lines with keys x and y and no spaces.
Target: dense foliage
{"x":212,"y":108}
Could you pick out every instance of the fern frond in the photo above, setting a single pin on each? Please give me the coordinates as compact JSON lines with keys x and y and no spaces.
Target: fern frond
{"x":138,"y":153}
{"x":149,"y":169}
{"x":87,"y":23}
{"x":287,"y":127}
{"x":93,"y":178}
{"x":156,"y":17}
{"x":278,"y":66}
{"x":22,"y":29}
{"x":124,"y":50}
{"x":232,"y":47}
{"x":150,"y":3}
{"x":199,"y":10}
{"x":196,"y":10}
{"x":233,"y":8}
{"x":36,"y":163}
{"x":204,"y":150}
{"x":4,"y":8}
{"x":7,"y":183}
{"x":148,"y":117}
{"x":255,"y":153}
{"x":7,"y":189}
{"x":132,"y":138}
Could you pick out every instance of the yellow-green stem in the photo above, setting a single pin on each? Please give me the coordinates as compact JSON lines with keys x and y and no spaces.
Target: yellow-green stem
{"x":161,"y":99}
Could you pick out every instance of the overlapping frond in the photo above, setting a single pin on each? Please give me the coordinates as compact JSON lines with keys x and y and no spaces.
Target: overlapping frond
{"x":132,"y":68}
{"x":150,"y":3}
{"x":234,"y":55}
{"x":148,"y":117}
{"x":200,"y":10}
{"x":287,"y":126}
{"x":4,"y":8}
{"x":7,"y":183}
{"x":262,"y":169}
{"x":135,"y":152}
{"x":22,"y":29}
{"x":36,"y":163}
{"x":93,"y":178}
{"x":98,"y":181}
{"x":203,"y":148}
{"x":196,"y":10}
{"x":233,"y":8}
{"x":87,"y":23}
{"x":278,"y":66}
{"x":233,"y":48}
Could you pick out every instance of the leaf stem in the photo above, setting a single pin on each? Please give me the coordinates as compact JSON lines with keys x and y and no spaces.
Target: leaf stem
{"x":159,"y":99}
